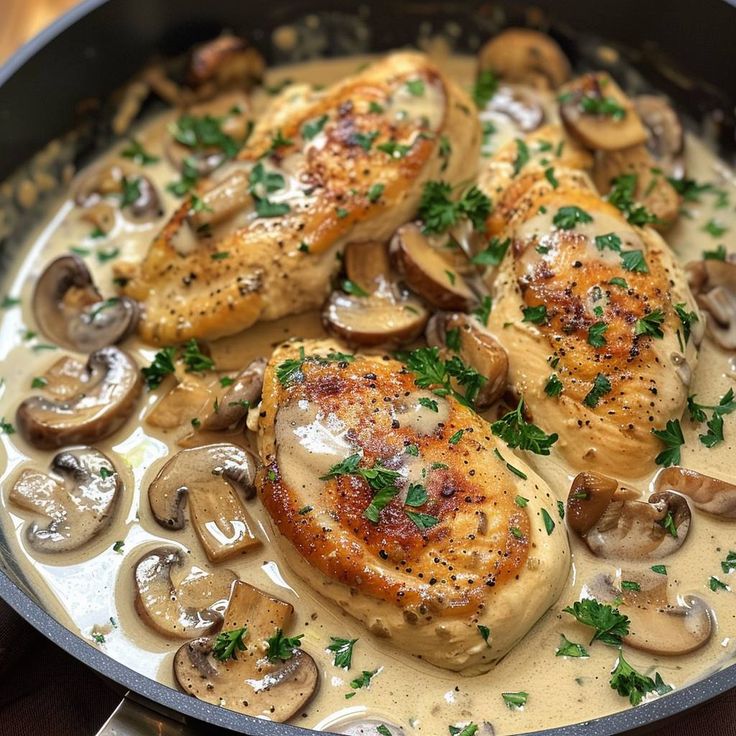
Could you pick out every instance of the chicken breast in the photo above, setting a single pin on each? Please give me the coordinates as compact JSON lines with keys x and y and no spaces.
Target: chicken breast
{"x":596,"y":317}
{"x":394,"y":503}
{"x":322,"y":168}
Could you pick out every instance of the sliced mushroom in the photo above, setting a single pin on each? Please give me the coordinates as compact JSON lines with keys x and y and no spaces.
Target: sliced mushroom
{"x":111,"y":180}
{"x":526,"y":56}
{"x":248,"y":682}
{"x":78,"y":497}
{"x":367,"y":265}
{"x":665,"y":139}
{"x":427,"y":273}
{"x":388,"y":319}
{"x":213,"y":478}
{"x":245,"y":392}
{"x":100,"y":216}
{"x":615,"y":525}
{"x":656,"y":626}
{"x":70,"y":311}
{"x":521,"y":105}
{"x":463,"y":335}
{"x":712,"y":495}
{"x":225,"y":62}
{"x":597,"y":112}
{"x":223,"y":201}
{"x":185,"y":401}
{"x":109,"y":386}
{"x":713,"y":283}
{"x":190,"y":607}
{"x":368,"y":727}
{"x":653,"y":190}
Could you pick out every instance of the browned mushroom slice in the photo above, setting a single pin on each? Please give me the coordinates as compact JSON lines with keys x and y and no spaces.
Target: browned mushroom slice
{"x":526,"y":56}
{"x":714,"y":284}
{"x":521,"y":105}
{"x":712,"y":495}
{"x":657,"y":626}
{"x":109,"y":385}
{"x":241,"y":677}
{"x":653,"y":190}
{"x":185,"y":401}
{"x":70,"y":311}
{"x":615,"y":525}
{"x":427,"y":273}
{"x":243,"y":393}
{"x":597,"y":112}
{"x":137,"y":195}
{"x":78,"y":497}
{"x":190,"y":606}
{"x":367,"y":265}
{"x":378,"y":319}
{"x":665,"y":139}
{"x":226,"y":61}
{"x":461,"y":334}
{"x":221,"y":202}
{"x":212,"y":478}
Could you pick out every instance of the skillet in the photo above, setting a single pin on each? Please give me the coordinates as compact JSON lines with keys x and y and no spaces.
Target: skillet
{"x":678,"y":47}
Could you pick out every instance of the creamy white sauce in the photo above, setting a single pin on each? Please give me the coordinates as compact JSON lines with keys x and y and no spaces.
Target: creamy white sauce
{"x":91,"y":591}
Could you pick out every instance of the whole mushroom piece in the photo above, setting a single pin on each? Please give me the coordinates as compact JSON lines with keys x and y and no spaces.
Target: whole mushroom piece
{"x":70,"y":310}
{"x":137,"y":195}
{"x":108,"y":386}
{"x":247,"y":681}
{"x":655,"y":625}
{"x":713,"y":283}
{"x":461,"y":334}
{"x":78,"y":497}
{"x":243,"y":393}
{"x":525,"y":56}
{"x":184,"y":609}
{"x":665,"y":137}
{"x":616,"y":525}
{"x":212,"y":478}
{"x":712,"y":495}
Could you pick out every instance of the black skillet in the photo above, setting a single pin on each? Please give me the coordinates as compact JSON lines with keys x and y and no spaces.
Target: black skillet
{"x":682,"y":47}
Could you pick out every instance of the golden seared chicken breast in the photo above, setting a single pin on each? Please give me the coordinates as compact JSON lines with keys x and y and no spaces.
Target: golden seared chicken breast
{"x":399,"y":505}
{"x":600,"y":327}
{"x":322,"y":168}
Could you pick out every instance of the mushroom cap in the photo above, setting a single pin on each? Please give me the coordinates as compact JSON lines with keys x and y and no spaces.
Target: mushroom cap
{"x":600,"y":132}
{"x":714,"y":284}
{"x":213,"y":478}
{"x":526,"y":56}
{"x":70,"y":311}
{"x":427,"y":273}
{"x":78,"y":498}
{"x":615,"y":525}
{"x":225,"y":61}
{"x":478,"y":348}
{"x":248,"y":682}
{"x":666,"y":139}
{"x":240,"y":396}
{"x":109,"y":386}
{"x":522,"y":105}
{"x":655,"y":625}
{"x":712,"y":495}
{"x":191,"y":607}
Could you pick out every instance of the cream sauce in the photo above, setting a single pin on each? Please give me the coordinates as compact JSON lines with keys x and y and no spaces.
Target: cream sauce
{"x":91,"y":591}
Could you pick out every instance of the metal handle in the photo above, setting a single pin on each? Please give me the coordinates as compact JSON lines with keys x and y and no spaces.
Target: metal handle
{"x":131,"y":718}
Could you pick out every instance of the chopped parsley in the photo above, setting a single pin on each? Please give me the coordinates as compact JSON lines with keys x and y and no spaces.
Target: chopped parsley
{"x":566,"y":218}
{"x":363,"y":680}
{"x":633,"y":260}
{"x":162,"y":365}
{"x":601,"y":386}
{"x":194,"y":359}
{"x":493,"y":253}
{"x":312,"y":128}
{"x":719,"y":254}
{"x":515,"y":701}
{"x":456,"y":437}
{"x":484,"y":632}
{"x":618,"y":281}
{"x":394,"y":149}
{"x":569,"y":648}
{"x":6,"y":427}
{"x":483,"y":312}
{"x":622,"y":197}
{"x":375,"y":193}
{"x":549,"y":175}
{"x":515,"y":431}
{"x":280,"y":647}
{"x":729,"y":564}
{"x":630,"y":584}
{"x":537,"y":315}
{"x":672,"y":439}
{"x":687,"y":319}
{"x":439,"y":212}
{"x":228,"y":643}
{"x":415,"y":87}
{"x":714,"y":229}
{"x":204,"y":132}
{"x":416,"y":495}
{"x":659,"y":569}
{"x":484,"y":88}
{"x":650,"y":324}
{"x":610,"y":625}
{"x":715,"y":584}
{"x":626,"y":681}
{"x":522,"y":156}
{"x":609,"y":241}
{"x":39,"y":382}
{"x":343,"y":651}
{"x":137,"y":153}
{"x":422,"y":521}
{"x":596,"y":334}
{"x":515,"y":471}
{"x":549,"y":524}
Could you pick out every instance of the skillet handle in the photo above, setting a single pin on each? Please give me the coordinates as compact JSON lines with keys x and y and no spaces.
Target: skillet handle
{"x":131,"y":718}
